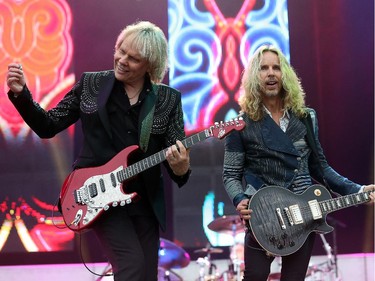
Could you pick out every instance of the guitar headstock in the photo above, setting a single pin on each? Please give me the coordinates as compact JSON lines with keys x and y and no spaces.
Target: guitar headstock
{"x":223,"y":128}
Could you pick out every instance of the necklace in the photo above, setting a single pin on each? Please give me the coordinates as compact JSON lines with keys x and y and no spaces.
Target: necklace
{"x":135,"y":95}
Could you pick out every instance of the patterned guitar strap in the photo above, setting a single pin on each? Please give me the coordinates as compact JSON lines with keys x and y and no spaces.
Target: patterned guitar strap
{"x":148,"y":120}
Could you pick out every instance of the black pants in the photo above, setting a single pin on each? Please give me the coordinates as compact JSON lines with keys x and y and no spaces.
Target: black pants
{"x":131,"y":243}
{"x":258,"y":263}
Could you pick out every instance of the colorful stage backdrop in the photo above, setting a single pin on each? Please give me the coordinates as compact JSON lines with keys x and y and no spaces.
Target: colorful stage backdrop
{"x":330,"y":45}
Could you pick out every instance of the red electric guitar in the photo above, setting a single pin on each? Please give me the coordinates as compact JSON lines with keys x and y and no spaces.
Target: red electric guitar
{"x":88,"y":192}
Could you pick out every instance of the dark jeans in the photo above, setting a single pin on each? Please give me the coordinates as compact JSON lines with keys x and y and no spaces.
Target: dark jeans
{"x":258,"y":263}
{"x":131,"y":243}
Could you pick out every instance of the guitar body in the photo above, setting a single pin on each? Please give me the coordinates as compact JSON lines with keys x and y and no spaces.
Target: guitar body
{"x":98,"y":188}
{"x":281,"y":220}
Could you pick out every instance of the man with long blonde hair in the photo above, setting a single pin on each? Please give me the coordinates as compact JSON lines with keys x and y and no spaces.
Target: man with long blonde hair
{"x":280,"y":148}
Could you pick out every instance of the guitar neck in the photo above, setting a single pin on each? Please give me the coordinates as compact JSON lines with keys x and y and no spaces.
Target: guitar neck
{"x":335,"y":204}
{"x":159,"y":157}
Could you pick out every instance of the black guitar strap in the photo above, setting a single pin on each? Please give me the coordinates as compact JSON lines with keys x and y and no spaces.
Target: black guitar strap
{"x":311,"y":142}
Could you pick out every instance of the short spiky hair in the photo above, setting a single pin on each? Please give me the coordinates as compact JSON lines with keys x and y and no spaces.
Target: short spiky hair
{"x":293,"y":94}
{"x":152,"y":45}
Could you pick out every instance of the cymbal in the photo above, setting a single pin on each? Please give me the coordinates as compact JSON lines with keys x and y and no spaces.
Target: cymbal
{"x":209,"y":250}
{"x":172,"y":256}
{"x":227,"y":224}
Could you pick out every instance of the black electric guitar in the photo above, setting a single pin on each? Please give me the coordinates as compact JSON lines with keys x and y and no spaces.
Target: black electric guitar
{"x":282,"y":220}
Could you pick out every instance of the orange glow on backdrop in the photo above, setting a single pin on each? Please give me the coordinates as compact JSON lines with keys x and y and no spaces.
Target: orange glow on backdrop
{"x":37,"y":35}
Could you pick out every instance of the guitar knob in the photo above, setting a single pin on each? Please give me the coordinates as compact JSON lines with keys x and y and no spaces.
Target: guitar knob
{"x":272,"y":239}
{"x":279,"y":246}
{"x":284,"y":236}
{"x":291,"y":243}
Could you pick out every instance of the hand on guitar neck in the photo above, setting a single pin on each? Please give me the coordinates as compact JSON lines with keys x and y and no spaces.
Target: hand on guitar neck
{"x":178,"y":158}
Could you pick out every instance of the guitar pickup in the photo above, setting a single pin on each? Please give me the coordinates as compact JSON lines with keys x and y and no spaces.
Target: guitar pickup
{"x":295,"y":212}
{"x":315,"y":209}
{"x":77,"y":196}
{"x":102,"y":185}
{"x":93,"y":191}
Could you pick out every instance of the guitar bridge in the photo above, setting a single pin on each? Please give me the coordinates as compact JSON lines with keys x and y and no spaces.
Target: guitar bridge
{"x":289,"y":216}
{"x":280,"y":217}
{"x":85,"y":194}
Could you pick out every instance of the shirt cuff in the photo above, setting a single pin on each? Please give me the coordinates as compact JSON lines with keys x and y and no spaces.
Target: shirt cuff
{"x":238,"y":198}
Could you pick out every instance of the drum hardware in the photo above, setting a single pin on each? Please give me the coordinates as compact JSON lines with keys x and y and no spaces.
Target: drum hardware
{"x":206,"y":262}
{"x":203,"y":263}
{"x":168,"y":275}
{"x":326,"y":270}
{"x":331,"y":261}
{"x":209,"y":250}
{"x":335,"y":223}
{"x":233,"y":225}
{"x":235,"y":267}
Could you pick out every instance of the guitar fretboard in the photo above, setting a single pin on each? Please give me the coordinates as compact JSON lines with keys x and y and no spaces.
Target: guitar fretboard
{"x":159,"y":157}
{"x":342,"y":202}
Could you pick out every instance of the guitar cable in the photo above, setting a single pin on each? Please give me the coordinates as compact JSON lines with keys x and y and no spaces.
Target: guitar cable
{"x":106,"y":269}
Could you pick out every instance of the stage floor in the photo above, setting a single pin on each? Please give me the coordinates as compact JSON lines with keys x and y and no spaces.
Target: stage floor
{"x":352,"y":267}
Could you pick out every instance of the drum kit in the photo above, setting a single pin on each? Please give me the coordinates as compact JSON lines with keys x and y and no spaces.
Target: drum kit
{"x":172,"y":256}
{"x":207,"y":269}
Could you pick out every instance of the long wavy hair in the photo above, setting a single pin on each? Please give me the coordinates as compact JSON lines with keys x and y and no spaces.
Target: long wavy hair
{"x":151,"y":43}
{"x":293,"y":94}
